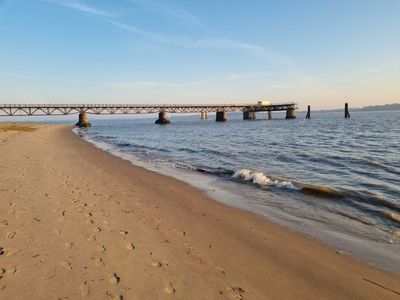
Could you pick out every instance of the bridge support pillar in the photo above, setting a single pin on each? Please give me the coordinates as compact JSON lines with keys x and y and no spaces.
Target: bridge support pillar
{"x":163,"y":118}
{"x":290,"y":113}
{"x":346,"y":111}
{"x":220,"y":116}
{"x":308,"y":116}
{"x":203,"y":115}
{"x":269,"y":115}
{"x":249,"y":115}
{"x":83,"y":121}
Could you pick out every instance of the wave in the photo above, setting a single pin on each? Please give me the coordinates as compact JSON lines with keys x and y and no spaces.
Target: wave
{"x":209,"y":151}
{"x":188,"y":150}
{"x":374,"y":163}
{"x":205,"y":170}
{"x":392,"y":216}
{"x":320,"y":190}
{"x":261,"y":179}
{"x":367,"y":197}
{"x":353,"y":217}
{"x":105,"y":137}
{"x":140,"y":146}
{"x":124,"y":145}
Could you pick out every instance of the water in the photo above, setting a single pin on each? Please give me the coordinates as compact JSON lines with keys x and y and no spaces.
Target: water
{"x":334,"y":178}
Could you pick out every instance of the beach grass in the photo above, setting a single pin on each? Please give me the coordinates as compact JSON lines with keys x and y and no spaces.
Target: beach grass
{"x":15,"y":127}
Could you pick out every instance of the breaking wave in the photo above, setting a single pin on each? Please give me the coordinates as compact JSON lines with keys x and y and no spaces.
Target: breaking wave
{"x":261,"y":179}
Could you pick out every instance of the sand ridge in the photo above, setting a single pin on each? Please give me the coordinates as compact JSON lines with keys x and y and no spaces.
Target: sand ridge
{"x":77,"y":223}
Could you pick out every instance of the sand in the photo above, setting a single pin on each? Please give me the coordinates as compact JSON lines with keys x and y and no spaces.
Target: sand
{"x":77,"y":222}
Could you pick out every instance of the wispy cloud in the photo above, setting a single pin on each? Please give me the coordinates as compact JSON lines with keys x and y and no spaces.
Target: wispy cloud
{"x":79,"y":6}
{"x":169,"y":11}
{"x":176,"y":41}
{"x":217,"y":43}
{"x":247,"y":75}
{"x":43,"y":78}
{"x":152,"y":84}
{"x":152,"y":36}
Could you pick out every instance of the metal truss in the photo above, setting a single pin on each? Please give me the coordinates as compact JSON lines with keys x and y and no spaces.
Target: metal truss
{"x":97,"y":109}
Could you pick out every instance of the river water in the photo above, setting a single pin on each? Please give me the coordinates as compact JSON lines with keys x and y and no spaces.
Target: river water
{"x":333,"y":178}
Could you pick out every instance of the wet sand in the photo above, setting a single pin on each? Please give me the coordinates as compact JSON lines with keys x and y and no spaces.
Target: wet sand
{"x":77,"y":222}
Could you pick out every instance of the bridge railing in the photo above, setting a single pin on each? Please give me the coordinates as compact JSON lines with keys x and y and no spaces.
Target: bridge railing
{"x":68,"y":109}
{"x":134,"y":105}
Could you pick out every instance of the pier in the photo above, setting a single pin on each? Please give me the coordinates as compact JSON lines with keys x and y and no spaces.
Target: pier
{"x":83,"y":110}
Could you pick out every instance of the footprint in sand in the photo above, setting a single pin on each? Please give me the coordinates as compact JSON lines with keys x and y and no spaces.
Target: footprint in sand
{"x":84,"y":289}
{"x":102,"y":249}
{"x":9,"y":252}
{"x":220,"y":269}
{"x":235,"y":292}
{"x":11,"y":270}
{"x":4,"y":223}
{"x":130,"y":246}
{"x":113,"y":297}
{"x":9,"y":235}
{"x":2,"y":272}
{"x":156,"y":264}
{"x":98,"y":262}
{"x":123,"y":232}
{"x":68,"y":245}
{"x":92,"y":238}
{"x":66,"y":265}
{"x":114,"y":279}
{"x":169,"y":288}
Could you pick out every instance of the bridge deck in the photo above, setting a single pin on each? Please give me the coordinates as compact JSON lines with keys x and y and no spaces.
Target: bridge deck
{"x":68,"y":109}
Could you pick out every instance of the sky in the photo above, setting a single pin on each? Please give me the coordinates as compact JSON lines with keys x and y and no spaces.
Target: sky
{"x":312,"y":52}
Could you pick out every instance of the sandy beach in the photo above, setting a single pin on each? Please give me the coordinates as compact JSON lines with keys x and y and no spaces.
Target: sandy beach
{"x":77,"y":222}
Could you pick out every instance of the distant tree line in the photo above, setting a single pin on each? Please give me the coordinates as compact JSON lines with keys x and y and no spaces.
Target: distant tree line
{"x":394,"y":106}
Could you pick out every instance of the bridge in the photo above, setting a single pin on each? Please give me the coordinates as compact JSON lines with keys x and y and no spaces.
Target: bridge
{"x":221,"y":110}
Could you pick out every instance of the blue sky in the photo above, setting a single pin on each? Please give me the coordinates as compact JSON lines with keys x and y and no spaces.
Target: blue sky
{"x":210,"y":51}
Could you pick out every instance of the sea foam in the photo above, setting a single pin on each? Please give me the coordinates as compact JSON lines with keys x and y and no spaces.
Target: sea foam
{"x":263,"y":180}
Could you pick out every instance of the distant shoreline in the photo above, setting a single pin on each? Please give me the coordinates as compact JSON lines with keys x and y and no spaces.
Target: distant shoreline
{"x":383,"y":108}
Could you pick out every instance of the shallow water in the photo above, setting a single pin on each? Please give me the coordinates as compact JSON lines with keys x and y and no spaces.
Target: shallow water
{"x":328,"y":174}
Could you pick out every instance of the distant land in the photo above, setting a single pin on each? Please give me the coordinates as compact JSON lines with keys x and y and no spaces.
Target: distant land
{"x":394,"y":106}
{"x":385,"y":107}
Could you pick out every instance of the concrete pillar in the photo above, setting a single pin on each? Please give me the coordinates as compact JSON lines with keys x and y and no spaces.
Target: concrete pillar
{"x":83,"y":120}
{"x":249,"y":115}
{"x":203,"y":115}
{"x":290,"y":114}
{"x":308,"y":116}
{"x":269,"y":115}
{"x":220,"y":116}
{"x":163,"y":118}
{"x":346,"y":111}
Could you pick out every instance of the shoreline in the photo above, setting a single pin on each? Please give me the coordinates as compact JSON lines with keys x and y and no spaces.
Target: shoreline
{"x":378,"y":253}
{"x":135,"y":233}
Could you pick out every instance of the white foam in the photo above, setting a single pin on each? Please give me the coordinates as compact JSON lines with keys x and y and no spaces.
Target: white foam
{"x":263,"y":180}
